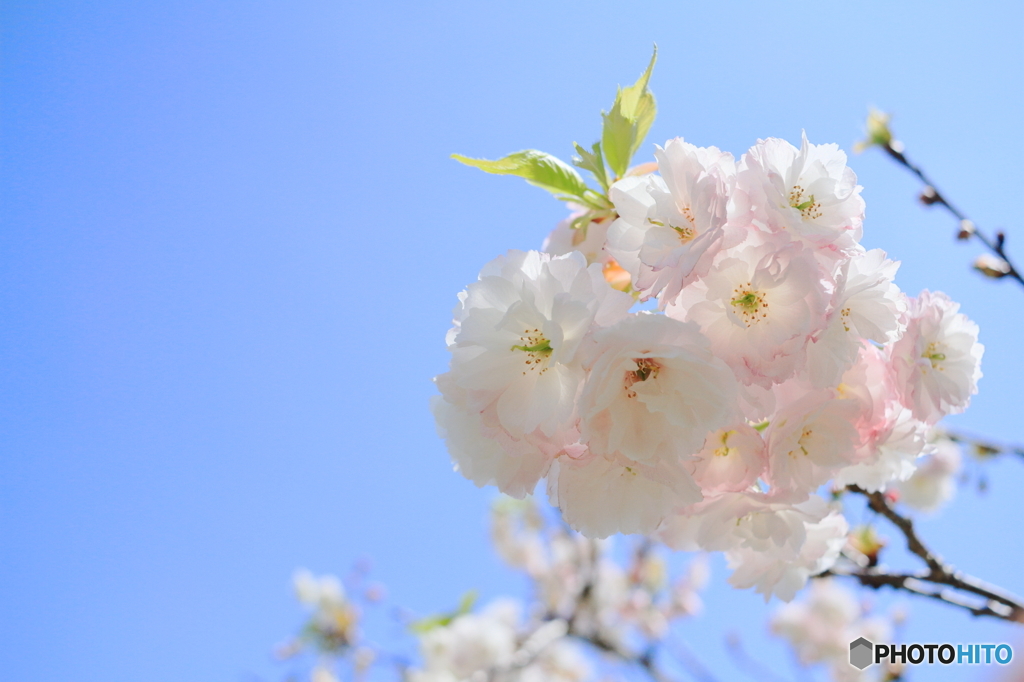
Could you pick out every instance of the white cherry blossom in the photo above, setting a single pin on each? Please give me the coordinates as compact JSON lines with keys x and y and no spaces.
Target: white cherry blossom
{"x":821,"y":625}
{"x":588,"y":240}
{"x":655,"y":390}
{"x":891,"y":438}
{"x":471,"y":642}
{"x":783,"y":574}
{"x":785,"y":358}
{"x":753,"y":519}
{"x":810,"y":437}
{"x":934,"y":482}
{"x":488,"y":455}
{"x":322,"y":592}
{"x":938,"y":359}
{"x":732,"y":459}
{"x":561,"y":661}
{"x":600,"y":496}
{"x":771,"y":542}
{"x":866,"y":305}
{"x":333,"y":614}
{"x":809,"y":192}
{"x":759,"y":306}
{"x":517,"y":331}
{"x":670,"y":227}
{"x":894,"y":455}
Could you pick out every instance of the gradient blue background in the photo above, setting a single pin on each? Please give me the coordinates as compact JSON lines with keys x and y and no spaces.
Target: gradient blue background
{"x":231,"y":239}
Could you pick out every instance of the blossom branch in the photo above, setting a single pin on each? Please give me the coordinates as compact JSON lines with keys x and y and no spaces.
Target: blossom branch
{"x":936,"y":582}
{"x":647,"y":660}
{"x":644,"y":661}
{"x":931,"y":195}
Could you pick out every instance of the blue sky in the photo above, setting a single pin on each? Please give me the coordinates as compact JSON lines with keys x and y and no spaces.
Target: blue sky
{"x":232,"y":237}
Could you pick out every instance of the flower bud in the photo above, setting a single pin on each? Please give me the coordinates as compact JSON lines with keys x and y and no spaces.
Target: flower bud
{"x":966,"y":230}
{"x":992,"y":266}
{"x":865,"y":540}
{"x":929,"y":196}
{"x":878,"y":131}
{"x":616,"y":276}
{"x":984,"y":451}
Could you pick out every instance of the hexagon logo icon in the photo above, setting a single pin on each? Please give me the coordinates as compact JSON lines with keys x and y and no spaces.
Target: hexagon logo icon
{"x":861,"y":651}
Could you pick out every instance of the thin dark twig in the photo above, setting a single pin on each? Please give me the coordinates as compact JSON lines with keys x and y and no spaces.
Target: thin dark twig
{"x":940,"y":576}
{"x":932,"y":195}
{"x":646,"y":660}
{"x":982,"y":447}
{"x":877,"y":578}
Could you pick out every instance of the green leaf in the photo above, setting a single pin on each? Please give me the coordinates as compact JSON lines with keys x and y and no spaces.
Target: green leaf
{"x":592,"y":162}
{"x":537,"y":168}
{"x":581,"y":222}
{"x":429,"y":623}
{"x":628,"y":122}
{"x":618,"y":135}
{"x":442,"y":619}
{"x":467,"y":602}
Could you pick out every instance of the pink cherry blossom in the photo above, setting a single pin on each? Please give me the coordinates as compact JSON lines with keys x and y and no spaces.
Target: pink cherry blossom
{"x":809,"y":192}
{"x":600,"y":496}
{"x":655,"y":390}
{"x":759,"y":306}
{"x":670,"y":227}
{"x":810,"y":437}
{"x":938,"y":359}
{"x":732,"y":459}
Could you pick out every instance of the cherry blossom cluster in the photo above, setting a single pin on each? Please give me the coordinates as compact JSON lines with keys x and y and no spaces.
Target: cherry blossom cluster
{"x":821,"y":625}
{"x":492,"y":644}
{"x":583,"y":591}
{"x":774,"y":354}
{"x":332,"y":628}
{"x":609,"y":598}
{"x":586,"y":596}
{"x":934,"y":481}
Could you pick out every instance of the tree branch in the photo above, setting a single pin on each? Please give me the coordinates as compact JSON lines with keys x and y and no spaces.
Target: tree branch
{"x":877,"y":578}
{"x":983,"y":448}
{"x":941,"y":581}
{"x":646,"y":660}
{"x":931,"y":195}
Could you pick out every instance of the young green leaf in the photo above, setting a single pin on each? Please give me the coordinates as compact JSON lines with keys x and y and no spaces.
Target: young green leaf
{"x":581,"y":222}
{"x":592,"y":162}
{"x":628,"y":122}
{"x":424,"y":625}
{"x":440,"y":620}
{"x":467,"y":601}
{"x":537,"y":168}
